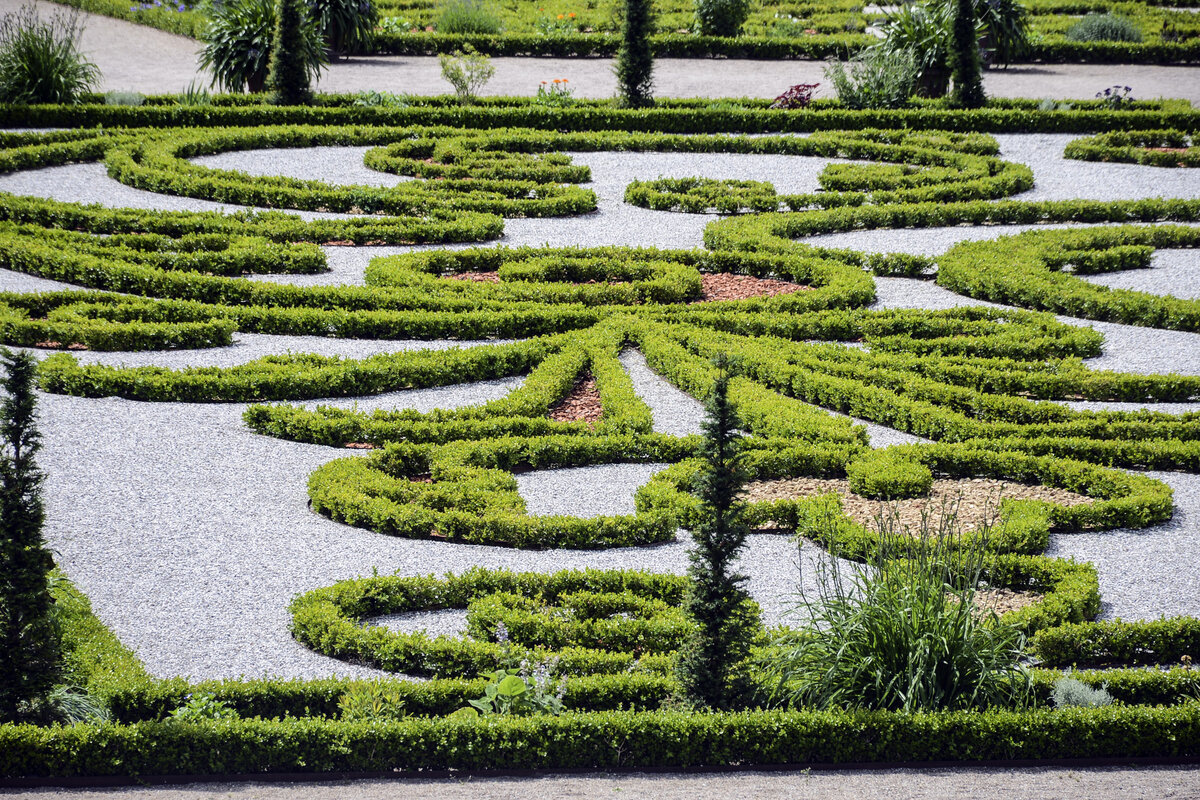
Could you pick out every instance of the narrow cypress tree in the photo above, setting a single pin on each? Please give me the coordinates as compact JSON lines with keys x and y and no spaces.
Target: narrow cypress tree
{"x":288,"y":74}
{"x":635,"y":61}
{"x":711,"y":664}
{"x":966,"y":69}
{"x":29,"y":642}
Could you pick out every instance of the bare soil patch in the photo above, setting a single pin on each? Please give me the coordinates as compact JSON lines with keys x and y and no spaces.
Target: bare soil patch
{"x":582,"y":404}
{"x":974,"y":501}
{"x":727,"y":286}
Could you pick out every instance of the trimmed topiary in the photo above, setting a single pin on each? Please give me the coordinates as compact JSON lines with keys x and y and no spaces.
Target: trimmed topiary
{"x":883,"y":476}
{"x":296,"y":55}
{"x":635,"y":59}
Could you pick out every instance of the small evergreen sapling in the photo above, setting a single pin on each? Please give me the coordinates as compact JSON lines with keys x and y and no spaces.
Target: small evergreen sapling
{"x":966,"y":67}
{"x":29,"y":639}
{"x":297,"y":55}
{"x":635,"y":60}
{"x":712,"y":663}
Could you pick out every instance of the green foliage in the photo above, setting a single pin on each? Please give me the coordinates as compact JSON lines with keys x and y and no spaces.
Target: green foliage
{"x":712,"y":662}
{"x":202,"y":706}
{"x":124,"y":98}
{"x":467,"y":71}
{"x":1168,"y":147}
{"x":237,"y":44}
{"x":372,"y":700}
{"x":966,"y":68}
{"x":65,"y":705}
{"x":297,"y":54}
{"x":40,"y":61}
{"x":29,"y":638}
{"x":521,"y":692}
{"x":635,"y":58}
{"x":721,"y":17}
{"x":347,"y":26}
{"x":1104,"y":28}
{"x":883,"y":476}
{"x":876,"y":78}
{"x":925,"y":30}
{"x":902,"y":633}
{"x":1161,"y":642}
{"x":1005,"y":30}
{"x":467,"y":17}
{"x":1069,"y":692}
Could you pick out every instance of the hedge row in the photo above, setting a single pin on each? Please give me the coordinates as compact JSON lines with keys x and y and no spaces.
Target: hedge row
{"x":1158,"y":148}
{"x":1163,"y":641}
{"x":1030,"y":270}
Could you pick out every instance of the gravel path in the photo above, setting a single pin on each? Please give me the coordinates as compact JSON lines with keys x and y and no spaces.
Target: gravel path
{"x":135,"y":58}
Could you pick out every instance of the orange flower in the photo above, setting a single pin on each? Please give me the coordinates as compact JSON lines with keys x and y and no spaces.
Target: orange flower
{"x":560,"y":16}
{"x":571,"y":15}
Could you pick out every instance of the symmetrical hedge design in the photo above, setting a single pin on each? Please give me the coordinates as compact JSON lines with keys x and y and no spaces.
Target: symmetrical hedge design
{"x":980,"y":382}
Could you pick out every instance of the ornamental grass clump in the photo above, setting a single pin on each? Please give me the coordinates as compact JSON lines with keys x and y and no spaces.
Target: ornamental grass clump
{"x":40,"y":61}
{"x":902,"y":632}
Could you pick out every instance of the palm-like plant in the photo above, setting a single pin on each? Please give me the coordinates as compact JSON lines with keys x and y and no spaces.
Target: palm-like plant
{"x":237,"y":47}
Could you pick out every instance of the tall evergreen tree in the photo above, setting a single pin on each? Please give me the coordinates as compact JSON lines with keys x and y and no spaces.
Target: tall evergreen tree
{"x":711,"y":665}
{"x":966,"y":68}
{"x":635,"y":60}
{"x":297,"y":54}
{"x":29,"y":641}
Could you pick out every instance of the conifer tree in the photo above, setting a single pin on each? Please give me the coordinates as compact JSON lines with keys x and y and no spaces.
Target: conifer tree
{"x":635,"y":60}
{"x":297,"y":54}
{"x":711,"y":665}
{"x":966,"y":68}
{"x":29,"y":641}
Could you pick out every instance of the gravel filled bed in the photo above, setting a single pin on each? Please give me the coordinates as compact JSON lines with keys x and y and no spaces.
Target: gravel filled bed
{"x":191,"y":534}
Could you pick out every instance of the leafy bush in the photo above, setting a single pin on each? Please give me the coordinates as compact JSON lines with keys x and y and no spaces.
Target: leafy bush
{"x":876,"y":78}
{"x":1069,"y":692}
{"x":203,"y":706}
{"x":124,"y":98}
{"x":468,"y":17}
{"x":721,"y":17}
{"x":1104,"y":28}
{"x":902,"y":633}
{"x":237,"y":44}
{"x":40,"y":60}
{"x":372,"y":700}
{"x":467,"y":71}
{"x":66,"y":705}
{"x":520,"y":692}
{"x":882,"y":476}
{"x":798,"y":96}
{"x":926,"y":31}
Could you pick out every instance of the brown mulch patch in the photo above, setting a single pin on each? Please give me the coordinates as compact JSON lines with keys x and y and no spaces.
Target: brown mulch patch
{"x":1168,"y":149}
{"x":582,"y":404}
{"x":727,"y":286}
{"x":975,"y":500}
{"x":1004,"y":600}
{"x":476,"y":277}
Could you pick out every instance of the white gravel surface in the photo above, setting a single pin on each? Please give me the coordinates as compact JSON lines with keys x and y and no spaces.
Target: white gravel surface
{"x":191,"y":534}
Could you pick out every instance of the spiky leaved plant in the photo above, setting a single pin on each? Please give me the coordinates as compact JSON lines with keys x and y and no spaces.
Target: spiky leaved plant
{"x":635,"y":60}
{"x":712,"y":666}
{"x":966,"y":68}
{"x":29,"y":639}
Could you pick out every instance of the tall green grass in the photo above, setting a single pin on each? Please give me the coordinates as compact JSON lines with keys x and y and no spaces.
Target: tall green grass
{"x":40,"y":61}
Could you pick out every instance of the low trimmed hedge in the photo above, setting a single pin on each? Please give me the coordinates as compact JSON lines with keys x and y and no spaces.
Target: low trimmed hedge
{"x":1158,"y":148}
{"x":1162,"y":641}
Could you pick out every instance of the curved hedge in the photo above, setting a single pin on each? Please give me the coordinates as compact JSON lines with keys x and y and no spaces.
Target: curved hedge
{"x":1159,"y":148}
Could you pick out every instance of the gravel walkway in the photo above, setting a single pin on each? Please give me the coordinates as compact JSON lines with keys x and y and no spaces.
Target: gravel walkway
{"x":135,"y":58}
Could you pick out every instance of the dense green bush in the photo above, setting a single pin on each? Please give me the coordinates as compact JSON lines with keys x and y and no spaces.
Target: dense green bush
{"x":875,"y":78}
{"x":1104,"y":28}
{"x":237,"y":44}
{"x":882,"y":476}
{"x":297,"y":54}
{"x":467,"y":16}
{"x":721,"y":17}
{"x":635,"y":58}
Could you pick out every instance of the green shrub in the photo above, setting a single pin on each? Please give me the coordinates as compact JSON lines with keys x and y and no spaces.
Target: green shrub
{"x":964,"y":62}
{"x":468,"y":17}
{"x":467,"y":71}
{"x":712,"y":666}
{"x":202,"y":706}
{"x":902,"y":633}
{"x":124,"y":98}
{"x":1104,"y":28}
{"x":237,"y":44}
{"x":1069,"y":692}
{"x":372,"y":700}
{"x":721,"y":17}
{"x":40,"y":61}
{"x":924,"y":29}
{"x":635,"y":58}
{"x":882,"y":476}
{"x":875,"y":79}
{"x":297,"y":54}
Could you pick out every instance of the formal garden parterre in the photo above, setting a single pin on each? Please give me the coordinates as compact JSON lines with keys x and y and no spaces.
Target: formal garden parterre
{"x":992,"y":391}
